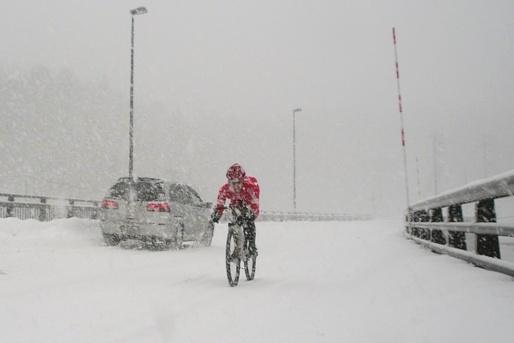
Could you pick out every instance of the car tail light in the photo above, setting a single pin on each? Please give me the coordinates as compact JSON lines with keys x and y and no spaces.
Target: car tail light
{"x":110,"y":204}
{"x":158,"y":206}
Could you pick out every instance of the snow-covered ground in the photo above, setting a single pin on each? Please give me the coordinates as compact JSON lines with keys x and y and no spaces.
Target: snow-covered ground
{"x":316,"y":282}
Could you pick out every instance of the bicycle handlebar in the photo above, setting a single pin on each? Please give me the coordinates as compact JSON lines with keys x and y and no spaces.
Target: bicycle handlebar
{"x":236,"y":214}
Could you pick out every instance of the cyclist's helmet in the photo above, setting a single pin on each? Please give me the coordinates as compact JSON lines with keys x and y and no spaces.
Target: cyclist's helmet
{"x":235,"y":172}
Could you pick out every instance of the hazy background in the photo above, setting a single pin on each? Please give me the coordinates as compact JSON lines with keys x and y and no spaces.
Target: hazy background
{"x":216,"y":81}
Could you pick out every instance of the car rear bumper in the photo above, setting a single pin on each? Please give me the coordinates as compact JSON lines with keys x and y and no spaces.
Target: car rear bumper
{"x":126,"y":229}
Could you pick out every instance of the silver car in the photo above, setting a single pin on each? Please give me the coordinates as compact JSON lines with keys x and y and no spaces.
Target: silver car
{"x":156,"y":212}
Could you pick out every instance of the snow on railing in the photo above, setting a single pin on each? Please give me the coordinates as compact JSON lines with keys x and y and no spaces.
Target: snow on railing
{"x":477,"y":241}
{"x":45,"y":208}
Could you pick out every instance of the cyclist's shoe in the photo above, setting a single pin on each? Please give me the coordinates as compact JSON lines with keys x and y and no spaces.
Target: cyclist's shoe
{"x":253,"y":252}
{"x":248,"y":253}
{"x":234,"y":258}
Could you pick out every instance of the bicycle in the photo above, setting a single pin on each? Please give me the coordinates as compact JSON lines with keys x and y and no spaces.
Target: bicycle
{"x":236,"y":230}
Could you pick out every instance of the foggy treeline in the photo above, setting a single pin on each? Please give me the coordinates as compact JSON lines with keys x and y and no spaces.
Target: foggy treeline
{"x":62,"y":135}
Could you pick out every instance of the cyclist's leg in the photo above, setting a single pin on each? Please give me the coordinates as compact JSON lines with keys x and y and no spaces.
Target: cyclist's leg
{"x":237,"y":231}
{"x":250,"y":232}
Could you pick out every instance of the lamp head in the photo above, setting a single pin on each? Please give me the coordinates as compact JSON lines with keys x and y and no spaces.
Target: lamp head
{"x":139,"y":10}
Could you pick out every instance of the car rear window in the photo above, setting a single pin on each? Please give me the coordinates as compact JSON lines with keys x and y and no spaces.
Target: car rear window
{"x":119,"y":191}
{"x":145,"y":191}
{"x":184,"y":194}
{"x":179,"y":194}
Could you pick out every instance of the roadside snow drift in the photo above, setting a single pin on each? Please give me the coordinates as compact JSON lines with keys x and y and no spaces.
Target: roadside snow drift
{"x":315,"y":282}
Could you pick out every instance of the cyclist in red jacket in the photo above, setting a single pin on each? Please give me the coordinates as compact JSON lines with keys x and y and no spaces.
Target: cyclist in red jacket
{"x":242,"y":191}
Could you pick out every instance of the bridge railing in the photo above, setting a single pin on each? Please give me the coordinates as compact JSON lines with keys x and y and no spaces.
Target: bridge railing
{"x":446,"y":232}
{"x":308,"y":216}
{"x":45,"y":208}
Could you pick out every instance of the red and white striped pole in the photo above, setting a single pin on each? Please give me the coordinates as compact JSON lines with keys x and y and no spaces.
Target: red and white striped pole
{"x":401,"y":119}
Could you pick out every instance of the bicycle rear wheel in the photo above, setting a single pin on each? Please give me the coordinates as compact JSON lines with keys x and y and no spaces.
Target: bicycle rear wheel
{"x":250,"y":263}
{"x":232,"y":268}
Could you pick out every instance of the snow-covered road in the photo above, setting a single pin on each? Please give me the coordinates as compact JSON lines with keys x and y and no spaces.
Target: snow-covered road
{"x":316,"y":282}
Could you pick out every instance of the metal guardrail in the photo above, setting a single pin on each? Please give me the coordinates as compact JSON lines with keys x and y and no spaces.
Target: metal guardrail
{"x":499,"y":186}
{"x":476,"y":242}
{"x":306,"y":216}
{"x":46,"y":208}
{"x":280,"y":216}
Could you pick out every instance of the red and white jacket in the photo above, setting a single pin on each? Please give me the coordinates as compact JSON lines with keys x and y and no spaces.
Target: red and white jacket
{"x":249,"y":195}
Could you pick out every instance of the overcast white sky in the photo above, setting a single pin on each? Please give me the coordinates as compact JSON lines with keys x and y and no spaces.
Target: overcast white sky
{"x":219,"y":80}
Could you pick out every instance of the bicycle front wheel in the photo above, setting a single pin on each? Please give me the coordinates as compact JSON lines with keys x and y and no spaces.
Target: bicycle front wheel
{"x":250,"y":260}
{"x":250,"y":264}
{"x":232,"y":267}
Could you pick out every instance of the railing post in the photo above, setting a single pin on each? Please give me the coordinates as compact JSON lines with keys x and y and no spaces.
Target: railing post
{"x":456,"y":239}
{"x":424,"y":233}
{"x":10,"y":206}
{"x":436,"y":215}
{"x":419,"y":216}
{"x":69,"y":212}
{"x":488,"y":245}
{"x":455,"y":213}
{"x":42,"y":210}
{"x":95,"y":212}
{"x":437,"y":235}
{"x":408,"y":220}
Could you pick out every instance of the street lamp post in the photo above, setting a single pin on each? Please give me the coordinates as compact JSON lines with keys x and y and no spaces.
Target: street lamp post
{"x":134,"y":12}
{"x":294,"y":155}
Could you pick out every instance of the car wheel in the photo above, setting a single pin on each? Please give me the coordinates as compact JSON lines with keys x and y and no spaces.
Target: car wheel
{"x":179,"y":239}
{"x":111,"y":239}
{"x":168,"y":244}
{"x":155,"y":243}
